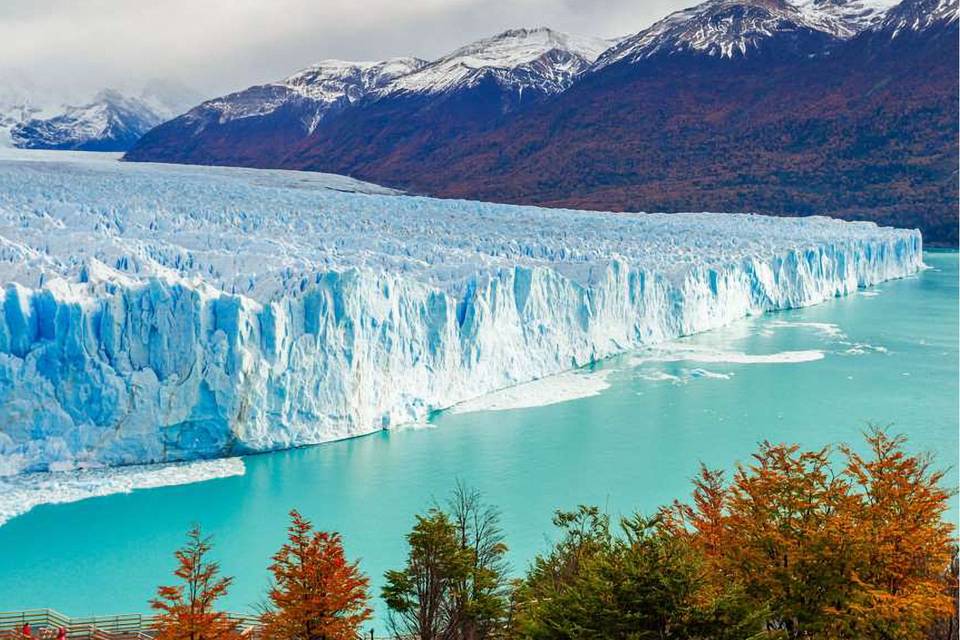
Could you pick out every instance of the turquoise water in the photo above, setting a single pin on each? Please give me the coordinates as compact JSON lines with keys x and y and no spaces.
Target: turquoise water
{"x":633,"y":446}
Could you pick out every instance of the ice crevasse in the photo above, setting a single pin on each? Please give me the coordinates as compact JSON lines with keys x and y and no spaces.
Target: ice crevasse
{"x":156,"y":313}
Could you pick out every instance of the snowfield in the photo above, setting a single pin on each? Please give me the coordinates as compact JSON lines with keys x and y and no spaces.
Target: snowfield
{"x":160,"y":313}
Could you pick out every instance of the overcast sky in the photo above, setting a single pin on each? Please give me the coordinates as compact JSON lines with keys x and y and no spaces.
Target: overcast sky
{"x":68,"y":48}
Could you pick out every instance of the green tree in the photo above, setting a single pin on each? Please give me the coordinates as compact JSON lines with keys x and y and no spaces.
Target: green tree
{"x":563,"y":594}
{"x":645,"y":582}
{"x":481,"y":598}
{"x":421,"y":597}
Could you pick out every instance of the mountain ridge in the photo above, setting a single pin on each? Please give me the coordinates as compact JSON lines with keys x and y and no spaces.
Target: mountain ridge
{"x":645,"y":126}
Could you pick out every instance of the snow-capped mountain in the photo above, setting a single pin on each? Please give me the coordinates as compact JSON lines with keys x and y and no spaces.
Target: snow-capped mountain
{"x":739,"y":28}
{"x":314,"y":92}
{"x":256,"y":126}
{"x":13,"y":114}
{"x":843,"y":18}
{"x":540,"y":59}
{"x":918,"y":15}
{"x":816,"y":106}
{"x":111,"y":122}
{"x":261,"y":125}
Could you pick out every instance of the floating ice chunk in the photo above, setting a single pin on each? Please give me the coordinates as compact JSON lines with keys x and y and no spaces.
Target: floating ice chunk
{"x":19,"y":494}
{"x":551,"y":390}
{"x":693,"y":353}
{"x":683,"y":376}
{"x":826,"y":329}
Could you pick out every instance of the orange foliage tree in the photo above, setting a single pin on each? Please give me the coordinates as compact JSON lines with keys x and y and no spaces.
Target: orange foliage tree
{"x":900,"y":507}
{"x":859,"y":551}
{"x":317,"y":594}
{"x":186,"y":611}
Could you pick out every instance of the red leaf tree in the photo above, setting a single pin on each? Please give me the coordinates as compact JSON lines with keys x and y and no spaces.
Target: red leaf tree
{"x":317,"y":594}
{"x":186,"y":611}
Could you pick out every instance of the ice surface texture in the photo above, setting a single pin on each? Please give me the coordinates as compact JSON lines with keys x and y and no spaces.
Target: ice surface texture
{"x":159,"y":313}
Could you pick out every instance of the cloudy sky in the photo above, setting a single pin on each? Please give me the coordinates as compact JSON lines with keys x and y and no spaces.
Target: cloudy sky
{"x":68,"y":48}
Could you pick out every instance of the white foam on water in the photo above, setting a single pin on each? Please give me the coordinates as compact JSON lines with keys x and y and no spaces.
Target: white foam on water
{"x":546,"y":391}
{"x":418,"y":425}
{"x":21,"y":493}
{"x":710,"y":375}
{"x":684,"y":376}
{"x":861,"y":348}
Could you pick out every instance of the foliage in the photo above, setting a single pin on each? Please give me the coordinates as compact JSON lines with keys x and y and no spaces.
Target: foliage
{"x":186,"y":611}
{"x":481,"y":598}
{"x":455,"y":584}
{"x":829,"y":544}
{"x":317,"y":594}
{"x":794,"y":546}
{"x":420,"y":595}
{"x":854,"y":552}
{"x":644,"y":582}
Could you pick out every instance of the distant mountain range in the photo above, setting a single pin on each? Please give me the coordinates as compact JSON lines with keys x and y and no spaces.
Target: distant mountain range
{"x":111,"y":121}
{"x":260,"y":126}
{"x":839,"y":107}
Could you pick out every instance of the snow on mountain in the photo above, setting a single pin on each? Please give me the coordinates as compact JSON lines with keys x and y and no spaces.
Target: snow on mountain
{"x":20,"y":102}
{"x":844,"y":18}
{"x":264,"y":125}
{"x":918,"y":15}
{"x":111,"y":122}
{"x":13,"y":114}
{"x":317,"y":90}
{"x":158,"y":312}
{"x":541,"y":58}
{"x":735,"y":28}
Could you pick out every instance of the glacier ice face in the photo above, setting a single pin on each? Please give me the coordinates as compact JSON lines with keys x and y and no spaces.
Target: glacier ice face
{"x":159,"y":313}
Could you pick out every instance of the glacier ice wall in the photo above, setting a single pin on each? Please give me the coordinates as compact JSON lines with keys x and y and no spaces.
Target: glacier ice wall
{"x":159,"y":313}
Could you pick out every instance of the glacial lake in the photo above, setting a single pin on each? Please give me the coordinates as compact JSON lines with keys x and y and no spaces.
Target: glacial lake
{"x":812,"y":376}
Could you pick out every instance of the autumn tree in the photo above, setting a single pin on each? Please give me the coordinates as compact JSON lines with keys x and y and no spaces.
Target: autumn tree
{"x":186,"y":610}
{"x":855,"y":550}
{"x":786,"y":542}
{"x":906,"y":543}
{"x":316,"y":593}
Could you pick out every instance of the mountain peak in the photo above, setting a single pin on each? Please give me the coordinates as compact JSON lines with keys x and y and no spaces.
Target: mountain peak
{"x":844,"y":18}
{"x":112,"y":121}
{"x":332,"y":80}
{"x":516,"y":57}
{"x":918,"y":15}
{"x":738,"y":28}
{"x":324,"y":86}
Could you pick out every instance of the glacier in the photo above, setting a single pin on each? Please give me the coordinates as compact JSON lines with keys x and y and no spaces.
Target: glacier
{"x":159,"y":313}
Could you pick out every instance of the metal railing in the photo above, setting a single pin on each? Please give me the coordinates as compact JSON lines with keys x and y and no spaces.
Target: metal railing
{"x":133,"y":626}
{"x":45,"y":623}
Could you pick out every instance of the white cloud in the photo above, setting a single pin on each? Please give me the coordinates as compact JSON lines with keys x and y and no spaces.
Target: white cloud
{"x":72,"y":48}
